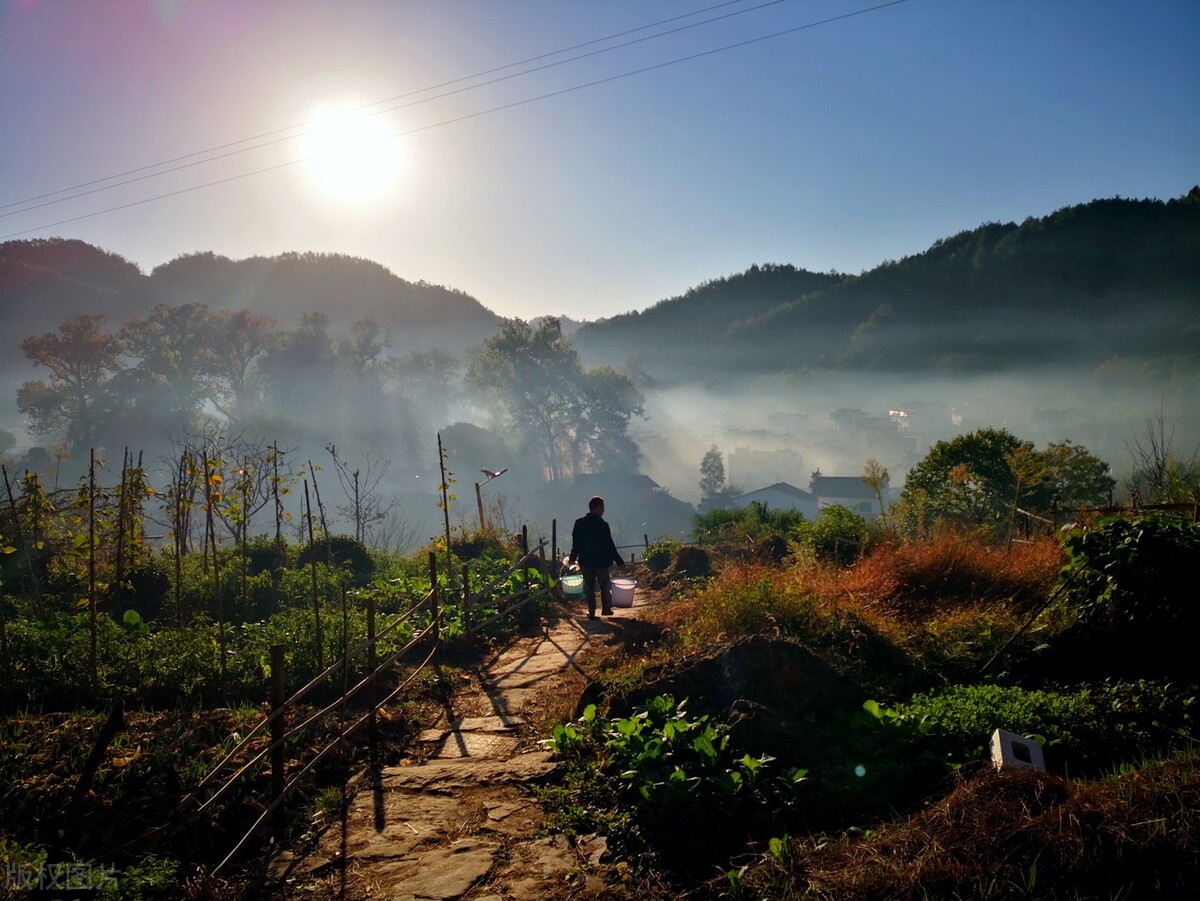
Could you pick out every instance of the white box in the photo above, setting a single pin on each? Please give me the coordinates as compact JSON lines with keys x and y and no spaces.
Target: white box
{"x":1016,"y":752}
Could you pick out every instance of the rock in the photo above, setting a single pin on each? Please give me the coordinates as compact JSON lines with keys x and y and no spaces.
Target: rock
{"x":446,"y":873}
{"x":771,"y":672}
{"x":691,"y":562}
{"x":771,"y":549}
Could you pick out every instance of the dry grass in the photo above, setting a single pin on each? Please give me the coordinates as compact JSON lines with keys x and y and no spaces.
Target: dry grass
{"x":1025,"y":834}
{"x":919,"y":579}
{"x":752,"y":599}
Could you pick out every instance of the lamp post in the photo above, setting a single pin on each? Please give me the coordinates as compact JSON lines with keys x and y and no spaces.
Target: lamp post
{"x":479,"y":497}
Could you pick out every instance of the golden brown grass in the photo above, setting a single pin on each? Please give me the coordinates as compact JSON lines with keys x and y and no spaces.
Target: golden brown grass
{"x":905,"y":615}
{"x":953,"y":572}
{"x":1024,"y":834}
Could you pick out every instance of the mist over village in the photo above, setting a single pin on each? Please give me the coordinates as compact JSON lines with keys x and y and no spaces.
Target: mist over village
{"x":787,"y":374}
{"x":475,"y":451}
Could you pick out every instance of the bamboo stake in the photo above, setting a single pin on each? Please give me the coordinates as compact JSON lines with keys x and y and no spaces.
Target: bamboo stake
{"x":211,"y":540}
{"x":278,"y":726}
{"x":445,"y":509}
{"x":312,"y":566}
{"x":93,"y":667}
{"x":25,"y":546}
{"x":122,"y":499}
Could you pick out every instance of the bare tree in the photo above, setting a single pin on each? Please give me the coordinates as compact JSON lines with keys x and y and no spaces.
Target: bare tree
{"x":1160,"y":475}
{"x":365,"y":505}
{"x":875,"y":476}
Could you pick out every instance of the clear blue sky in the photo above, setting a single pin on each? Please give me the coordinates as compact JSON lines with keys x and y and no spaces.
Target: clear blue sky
{"x":834,"y":147}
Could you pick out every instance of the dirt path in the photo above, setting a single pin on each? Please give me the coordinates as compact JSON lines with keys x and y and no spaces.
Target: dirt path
{"x":462,"y":824}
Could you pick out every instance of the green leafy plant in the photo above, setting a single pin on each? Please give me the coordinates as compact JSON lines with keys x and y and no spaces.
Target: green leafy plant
{"x":662,"y":761}
{"x":1123,"y":589}
{"x":658,"y":554}
{"x":742,"y":525}
{"x":1127,"y":571}
{"x":959,"y":720}
{"x":838,"y":535}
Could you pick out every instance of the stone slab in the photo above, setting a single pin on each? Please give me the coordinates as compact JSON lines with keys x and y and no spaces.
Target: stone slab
{"x":454,"y":773}
{"x":473,"y":745}
{"x":446,"y":873}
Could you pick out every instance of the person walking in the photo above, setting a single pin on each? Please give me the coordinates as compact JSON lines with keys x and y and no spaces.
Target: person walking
{"x":593,"y":548}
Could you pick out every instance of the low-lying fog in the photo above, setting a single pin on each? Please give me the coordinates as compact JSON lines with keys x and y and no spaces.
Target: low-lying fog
{"x":784,"y":428}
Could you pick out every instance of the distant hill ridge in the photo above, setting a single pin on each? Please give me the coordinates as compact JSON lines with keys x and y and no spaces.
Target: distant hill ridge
{"x":1108,"y":278}
{"x":44,"y":281}
{"x":1086,"y":283}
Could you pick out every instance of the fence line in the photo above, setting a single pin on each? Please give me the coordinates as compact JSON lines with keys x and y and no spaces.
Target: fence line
{"x":281,"y":790}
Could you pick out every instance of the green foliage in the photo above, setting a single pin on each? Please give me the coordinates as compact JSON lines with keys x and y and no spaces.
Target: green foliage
{"x":838,"y":535}
{"x":976,"y":480}
{"x":960,"y":719}
{"x":661,"y":761}
{"x":1081,"y":729}
{"x":150,"y":876}
{"x":967,"y":481}
{"x":1144,"y":715}
{"x":712,"y":472}
{"x":345,"y":553}
{"x":575,"y":421}
{"x":1075,"y":477}
{"x":1123,"y":597}
{"x":1128,"y":571}
{"x":739,"y":525}
{"x":658,"y":554}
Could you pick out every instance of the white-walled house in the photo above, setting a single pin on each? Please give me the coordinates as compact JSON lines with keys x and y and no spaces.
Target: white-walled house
{"x":845,"y":491}
{"x":780,"y":496}
{"x":824,"y":491}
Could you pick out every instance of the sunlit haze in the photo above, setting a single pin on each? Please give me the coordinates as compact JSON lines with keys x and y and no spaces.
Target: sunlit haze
{"x":350,"y":154}
{"x":831,"y":147}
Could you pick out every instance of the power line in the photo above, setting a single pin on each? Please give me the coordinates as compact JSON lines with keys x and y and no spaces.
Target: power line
{"x":480,"y":113}
{"x":279,"y":140}
{"x":405,"y":95}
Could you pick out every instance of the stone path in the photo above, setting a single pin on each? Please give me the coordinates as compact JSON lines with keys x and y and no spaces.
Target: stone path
{"x":463,"y":823}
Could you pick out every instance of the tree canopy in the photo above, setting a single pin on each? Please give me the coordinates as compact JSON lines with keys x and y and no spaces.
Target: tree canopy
{"x":573,"y":421}
{"x":712,"y":472}
{"x":979,"y":479}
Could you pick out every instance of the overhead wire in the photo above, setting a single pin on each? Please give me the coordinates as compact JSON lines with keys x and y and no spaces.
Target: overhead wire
{"x":304,"y":125}
{"x":480,"y":113}
{"x":292,"y":137}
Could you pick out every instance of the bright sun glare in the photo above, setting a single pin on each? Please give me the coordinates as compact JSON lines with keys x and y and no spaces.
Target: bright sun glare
{"x":350,"y":154}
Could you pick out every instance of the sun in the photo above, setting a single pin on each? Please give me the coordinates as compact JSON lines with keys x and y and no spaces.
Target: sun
{"x":351,"y":155}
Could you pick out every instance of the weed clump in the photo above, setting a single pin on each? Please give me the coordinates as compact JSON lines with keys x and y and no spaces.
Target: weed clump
{"x":1020,"y":834}
{"x":918,"y":579}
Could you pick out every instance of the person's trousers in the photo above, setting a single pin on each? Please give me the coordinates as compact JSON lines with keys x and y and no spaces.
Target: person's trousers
{"x":596,"y":577}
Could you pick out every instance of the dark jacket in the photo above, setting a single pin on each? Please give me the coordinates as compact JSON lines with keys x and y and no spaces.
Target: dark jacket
{"x":592,"y":543}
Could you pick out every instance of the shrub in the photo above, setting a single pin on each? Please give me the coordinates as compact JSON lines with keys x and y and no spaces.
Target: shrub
{"x":914,"y":579}
{"x":480,"y":544}
{"x":675,"y":770}
{"x":1129,"y":572}
{"x":266,"y":554}
{"x":1124,"y":585}
{"x":838,"y":535}
{"x":752,"y":599}
{"x":744,"y":525}
{"x":346,"y":553}
{"x":658,"y":555}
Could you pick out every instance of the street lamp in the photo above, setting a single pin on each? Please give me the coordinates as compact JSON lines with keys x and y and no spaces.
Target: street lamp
{"x":479,"y":497}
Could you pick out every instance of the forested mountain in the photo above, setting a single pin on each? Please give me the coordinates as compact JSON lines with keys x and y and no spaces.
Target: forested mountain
{"x":44,"y":281}
{"x":1110,"y":278}
{"x":345,"y":289}
{"x":669,"y":333}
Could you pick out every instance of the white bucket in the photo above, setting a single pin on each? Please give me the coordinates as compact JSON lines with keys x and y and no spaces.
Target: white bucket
{"x":572,"y":586}
{"x":622,"y":592}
